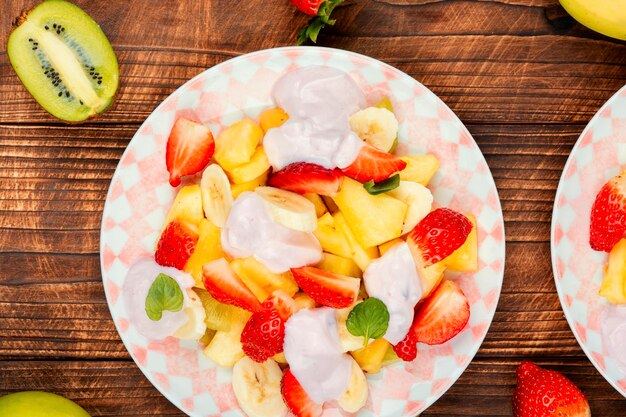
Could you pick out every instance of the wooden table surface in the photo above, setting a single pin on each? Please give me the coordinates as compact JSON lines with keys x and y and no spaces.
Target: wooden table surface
{"x":523,"y":79}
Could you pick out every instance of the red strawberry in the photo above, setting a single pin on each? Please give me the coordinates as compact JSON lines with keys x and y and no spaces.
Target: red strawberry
{"x":297,"y":399}
{"x":544,"y":393}
{"x":282,"y":303}
{"x":406,"y":349}
{"x":303,"y":177}
{"x":437,"y":235}
{"x":309,"y":7}
{"x":263,"y":335}
{"x":372,"y":164}
{"x":327,"y":288}
{"x":189,"y":149}
{"x":226,"y":287}
{"x":175,"y":246}
{"x":608,"y":215}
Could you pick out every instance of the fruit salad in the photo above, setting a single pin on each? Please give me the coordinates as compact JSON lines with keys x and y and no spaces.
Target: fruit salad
{"x":301,"y":251}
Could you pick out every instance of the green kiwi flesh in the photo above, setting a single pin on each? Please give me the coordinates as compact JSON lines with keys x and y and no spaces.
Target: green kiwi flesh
{"x":64,"y":60}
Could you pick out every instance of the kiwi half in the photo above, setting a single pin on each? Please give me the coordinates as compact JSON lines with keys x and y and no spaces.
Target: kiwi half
{"x":64,"y":60}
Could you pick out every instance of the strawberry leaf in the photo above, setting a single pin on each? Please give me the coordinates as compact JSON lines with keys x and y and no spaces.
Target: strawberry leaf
{"x":369,"y":319}
{"x":312,"y":29}
{"x":389,"y":184}
{"x":164,"y":294}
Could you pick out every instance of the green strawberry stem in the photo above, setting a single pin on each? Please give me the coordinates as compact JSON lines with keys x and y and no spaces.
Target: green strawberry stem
{"x":312,"y":29}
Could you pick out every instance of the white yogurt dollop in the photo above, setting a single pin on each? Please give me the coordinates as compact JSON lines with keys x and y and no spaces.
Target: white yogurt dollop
{"x":613,"y":327}
{"x":250,"y":231}
{"x":314,"y":354}
{"x":137,"y":283}
{"x":319,"y":101}
{"x":393,"y":279}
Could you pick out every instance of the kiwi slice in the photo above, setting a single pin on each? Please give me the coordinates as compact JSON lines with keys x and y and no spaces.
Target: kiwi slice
{"x":64,"y":60}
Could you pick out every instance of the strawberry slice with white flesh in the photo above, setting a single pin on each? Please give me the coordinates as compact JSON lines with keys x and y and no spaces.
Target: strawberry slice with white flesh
{"x":327,"y":288}
{"x":372,"y":164}
{"x":297,"y":399}
{"x":190,"y":147}
{"x":608,"y":215}
{"x":226,"y":287}
{"x":304,"y":177}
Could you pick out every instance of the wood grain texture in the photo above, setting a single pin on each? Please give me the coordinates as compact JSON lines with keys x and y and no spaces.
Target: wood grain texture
{"x":524,"y":79}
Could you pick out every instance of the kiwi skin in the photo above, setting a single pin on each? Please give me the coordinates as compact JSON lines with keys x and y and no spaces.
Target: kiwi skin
{"x":93,"y":49}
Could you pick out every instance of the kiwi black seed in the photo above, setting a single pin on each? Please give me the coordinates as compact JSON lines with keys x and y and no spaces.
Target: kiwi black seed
{"x":64,"y":60}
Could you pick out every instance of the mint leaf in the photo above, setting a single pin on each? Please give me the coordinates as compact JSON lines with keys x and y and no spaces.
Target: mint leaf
{"x":164,"y":294}
{"x":389,"y":184}
{"x":316,"y":24}
{"x":369,"y":319}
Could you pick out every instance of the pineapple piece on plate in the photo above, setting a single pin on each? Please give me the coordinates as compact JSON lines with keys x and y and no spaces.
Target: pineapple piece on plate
{"x":331,"y":239}
{"x":256,"y":167}
{"x":419,"y":168}
{"x":339,"y":265}
{"x":259,"y":181}
{"x":225,"y":348}
{"x":362,"y":256}
{"x":388,"y":245}
{"x":260,"y":280}
{"x":370,"y":358}
{"x":465,"y":258}
{"x":320,"y":207}
{"x":613,"y":286}
{"x":236,"y":144}
{"x":208,"y":248}
{"x":271,"y":118}
{"x":187,"y":206}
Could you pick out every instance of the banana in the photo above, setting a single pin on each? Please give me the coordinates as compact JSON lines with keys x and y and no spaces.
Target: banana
{"x":376,"y":126}
{"x":217,"y":197}
{"x":289,"y":209}
{"x":257,"y":388}
{"x":356,"y":395}
{"x":605,"y":16}
{"x":195,"y":327}
{"x":418,"y":198}
{"x":348,"y":341}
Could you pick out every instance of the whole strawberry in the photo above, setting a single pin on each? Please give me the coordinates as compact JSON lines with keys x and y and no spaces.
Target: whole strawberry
{"x":544,"y":393}
{"x":321,"y":9}
{"x":608,"y":215}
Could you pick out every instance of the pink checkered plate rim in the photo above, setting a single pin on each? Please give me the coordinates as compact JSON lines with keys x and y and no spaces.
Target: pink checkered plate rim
{"x":139,"y":197}
{"x":598,"y":155}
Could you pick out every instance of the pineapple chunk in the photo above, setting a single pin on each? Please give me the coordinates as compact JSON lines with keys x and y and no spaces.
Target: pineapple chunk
{"x":385,"y":103}
{"x":280,"y":358}
{"x":465,"y":258}
{"x":390,"y":357}
{"x":388,"y":245}
{"x":273,"y":117}
{"x":370,"y":358}
{"x":320,"y":207}
{"x":339,"y":265}
{"x":419,"y":168}
{"x":236,"y":144}
{"x":431,"y":277}
{"x":362,"y":256}
{"x":219,"y":316}
{"x":208,"y":248}
{"x":614,"y":284}
{"x":237,"y":189}
{"x":330,"y":204}
{"x":225,"y":348}
{"x":304,"y":301}
{"x":187,"y":206}
{"x":374,"y":219}
{"x":331,"y":239}
{"x":260,"y":280}
{"x":208,"y":336}
{"x":249,"y":171}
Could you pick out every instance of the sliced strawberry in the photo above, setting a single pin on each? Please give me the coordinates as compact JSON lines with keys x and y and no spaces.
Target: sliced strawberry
{"x":327,"y":288}
{"x":372,"y":164}
{"x":175,"y":246}
{"x":437,"y":235}
{"x":263,"y":335}
{"x":297,"y":399}
{"x":303,"y":178}
{"x":406,"y":349}
{"x":608,"y":215}
{"x":189,"y":149}
{"x":282,"y":303}
{"x":226,"y":287}
{"x":544,"y":393}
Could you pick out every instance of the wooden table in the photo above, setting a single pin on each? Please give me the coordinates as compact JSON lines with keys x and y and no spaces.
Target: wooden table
{"x":523,"y":80}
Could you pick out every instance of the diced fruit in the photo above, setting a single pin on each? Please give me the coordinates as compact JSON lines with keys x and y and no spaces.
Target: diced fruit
{"x":320,"y":207}
{"x":176,"y":244}
{"x":217,"y":199}
{"x":219,"y":316}
{"x":249,"y":186}
{"x":255,"y":274}
{"x":430,"y":276}
{"x":257,"y":388}
{"x":377,"y":126}
{"x":257,"y":166}
{"x":406,"y":349}
{"x":236,"y":144}
{"x":347,"y":340}
{"x":419,"y":168}
{"x":297,"y":399}
{"x":189,"y":149}
{"x":388,"y":245}
{"x":304,"y":177}
{"x":374,"y":219}
{"x":339,"y":265}
{"x":331,"y":239}
{"x":385,"y":103}
{"x":280,"y":358}
{"x":544,"y":393}
{"x":608,"y":215}
{"x":330,"y":204}
{"x":225,"y":286}
{"x":225,"y":349}
{"x":614,"y":284}
{"x":327,"y":288}
{"x":419,"y":200}
{"x":259,"y":291}
{"x":355,"y":396}
{"x":195,"y":327}
{"x":304,"y":301}
{"x":280,"y":301}
{"x":207,"y":337}
{"x":289,"y":209}
{"x":187,"y":206}
{"x":272,"y":118}
{"x":263,"y":335}
{"x":370,"y":358}
{"x":372,"y":164}
{"x":439,"y":234}
{"x":362,"y":256}
{"x":465,"y":258}
{"x":390,"y":358}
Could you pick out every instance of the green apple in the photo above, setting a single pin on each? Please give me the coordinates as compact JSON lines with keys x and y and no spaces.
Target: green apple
{"x":37,"y":404}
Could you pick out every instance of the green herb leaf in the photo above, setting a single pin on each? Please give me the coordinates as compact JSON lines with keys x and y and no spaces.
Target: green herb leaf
{"x":389,"y":184}
{"x":312,"y":29}
{"x":369,"y":319}
{"x":164,"y":294}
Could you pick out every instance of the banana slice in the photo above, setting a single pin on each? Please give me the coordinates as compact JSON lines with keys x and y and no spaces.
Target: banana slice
{"x":217,"y":198}
{"x":289,"y":209}
{"x":418,"y":198}
{"x":257,"y":388}
{"x":195,"y":327}
{"x":376,"y":126}
{"x":356,"y":395}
